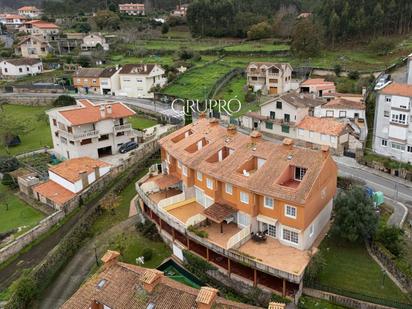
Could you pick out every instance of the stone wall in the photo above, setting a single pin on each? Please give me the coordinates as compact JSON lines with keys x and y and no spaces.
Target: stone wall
{"x":26,"y":238}
{"x":342,"y":300}
{"x":26,"y":100}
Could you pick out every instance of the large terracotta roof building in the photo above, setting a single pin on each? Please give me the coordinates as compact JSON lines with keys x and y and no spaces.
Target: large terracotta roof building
{"x":89,"y":129}
{"x":260,"y":204}
{"x":125,"y":286}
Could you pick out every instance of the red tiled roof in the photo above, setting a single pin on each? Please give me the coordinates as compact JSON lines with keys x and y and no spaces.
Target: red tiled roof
{"x":322,"y":125}
{"x":398,"y":89}
{"x":70,"y":169}
{"x":88,"y":112}
{"x":316,"y":81}
{"x":343,"y":103}
{"x":28,"y":8}
{"x":54,"y":192}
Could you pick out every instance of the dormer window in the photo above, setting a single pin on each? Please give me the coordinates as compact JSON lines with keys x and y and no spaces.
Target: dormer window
{"x":251,"y":166}
{"x":220,"y":155}
{"x":182,"y":136}
{"x":197,"y":146}
{"x":299,"y":173}
{"x":291,"y":176}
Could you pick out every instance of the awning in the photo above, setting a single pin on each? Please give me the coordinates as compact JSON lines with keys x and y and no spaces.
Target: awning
{"x":267,"y":220}
{"x":166,"y":181}
{"x":218,"y":212}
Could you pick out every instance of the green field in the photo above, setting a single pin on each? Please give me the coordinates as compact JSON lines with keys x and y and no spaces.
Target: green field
{"x":141,"y":122}
{"x":39,"y":131}
{"x":256,"y":46}
{"x":19,"y":214}
{"x":178,"y":44}
{"x":349,"y":267}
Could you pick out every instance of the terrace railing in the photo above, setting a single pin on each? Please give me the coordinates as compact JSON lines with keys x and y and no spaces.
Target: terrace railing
{"x":79,"y":136}
{"x":195,"y":220}
{"x":239,"y":238}
{"x":171,"y":200}
{"x":123,"y":127}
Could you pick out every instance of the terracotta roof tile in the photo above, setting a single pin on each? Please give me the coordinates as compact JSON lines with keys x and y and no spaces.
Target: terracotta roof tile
{"x":398,"y":89}
{"x":123,"y":289}
{"x":264,"y":180}
{"x":89,"y":72}
{"x":70,"y":169}
{"x":338,"y":103}
{"x":298,"y":100}
{"x":23,"y":61}
{"x":141,"y":69}
{"x":322,"y":125}
{"x":87,"y":112}
{"x":316,"y":81}
{"x":54,"y":192}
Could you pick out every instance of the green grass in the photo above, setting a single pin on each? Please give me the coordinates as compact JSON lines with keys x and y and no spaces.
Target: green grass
{"x":307,"y":302}
{"x":233,"y":89}
{"x":122,"y":59}
{"x":19,"y":214}
{"x":166,"y":44}
{"x":131,"y":246}
{"x":140,"y":122}
{"x":349,"y":267}
{"x":257,"y":46}
{"x":39,"y":135}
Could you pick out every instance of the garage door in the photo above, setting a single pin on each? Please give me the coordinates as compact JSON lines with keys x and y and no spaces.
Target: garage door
{"x":273,"y":90}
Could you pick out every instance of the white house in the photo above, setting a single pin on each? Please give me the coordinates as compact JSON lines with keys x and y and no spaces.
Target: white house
{"x":69,"y":178}
{"x":48,"y":30}
{"x":137,"y":80}
{"x":20,"y":67}
{"x":12,"y":20}
{"x":30,"y":11}
{"x":279,"y":116}
{"x":110,"y":81}
{"x":319,"y":87}
{"x":90,"y":129}
{"x":94,"y":40}
{"x":323,"y":132}
{"x":393,"y":122}
{"x":270,"y":78}
{"x":132,"y":8}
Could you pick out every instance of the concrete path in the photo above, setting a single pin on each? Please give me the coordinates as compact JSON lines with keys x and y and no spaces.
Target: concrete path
{"x":133,"y":210}
{"x":77,"y":270}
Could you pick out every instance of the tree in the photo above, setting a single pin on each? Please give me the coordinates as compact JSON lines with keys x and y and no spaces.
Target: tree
{"x":84,"y":61}
{"x":334,"y":26}
{"x":317,"y":263}
{"x":106,"y":19}
{"x":8,"y":164}
{"x":337,"y":69}
{"x":83,"y":27}
{"x":8,"y":180}
{"x":111,"y":202}
{"x":355,"y":215}
{"x":64,"y":100}
{"x":306,"y":39}
{"x":165,"y":28}
{"x":259,"y":31}
{"x":391,"y":238}
{"x":11,"y":128}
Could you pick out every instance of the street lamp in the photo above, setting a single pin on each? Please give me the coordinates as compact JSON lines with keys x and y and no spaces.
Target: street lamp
{"x":399,"y":174}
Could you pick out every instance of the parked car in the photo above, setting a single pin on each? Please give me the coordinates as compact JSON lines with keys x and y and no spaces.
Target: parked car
{"x":382,"y":81}
{"x":128,"y":146}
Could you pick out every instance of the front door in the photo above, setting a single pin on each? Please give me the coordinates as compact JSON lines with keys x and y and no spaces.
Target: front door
{"x":273,"y":90}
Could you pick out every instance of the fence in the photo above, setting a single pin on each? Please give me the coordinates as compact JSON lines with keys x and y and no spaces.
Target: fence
{"x":350,"y":299}
{"x":222,"y":81}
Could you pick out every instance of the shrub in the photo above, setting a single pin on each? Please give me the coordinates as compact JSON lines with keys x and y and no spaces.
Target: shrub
{"x":353,"y":75}
{"x":391,"y":238}
{"x":382,"y":46}
{"x":165,"y":28}
{"x":8,"y":180}
{"x":64,"y":100}
{"x":250,"y":96}
{"x":8,"y":164}
{"x":198,"y":232}
{"x":185,"y":54}
{"x":147,"y":254}
{"x":148,"y":230}
{"x":337,"y":69}
{"x":315,"y":266}
{"x":259,"y":31}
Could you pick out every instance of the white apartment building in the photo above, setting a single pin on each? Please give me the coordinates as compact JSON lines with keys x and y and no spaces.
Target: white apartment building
{"x":110,"y":81}
{"x":270,"y":78}
{"x":90,"y":129}
{"x":393,"y":122}
{"x":137,"y":80}
{"x":30,"y":11}
{"x":68,"y":179}
{"x":20,"y":67}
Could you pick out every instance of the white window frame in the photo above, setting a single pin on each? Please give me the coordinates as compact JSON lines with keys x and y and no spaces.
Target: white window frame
{"x":167,"y":157}
{"x":179,"y":164}
{"x":209,"y":183}
{"x":229,"y":188}
{"x":290,"y":240}
{"x":184,"y":170}
{"x":244,"y":197}
{"x":199,"y":176}
{"x":311,"y":230}
{"x":265,"y":204}
{"x":292,"y":210}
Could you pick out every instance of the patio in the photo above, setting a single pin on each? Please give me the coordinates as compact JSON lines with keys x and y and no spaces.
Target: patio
{"x":161,"y":195}
{"x":272,"y":253}
{"x":216,"y":236}
{"x":185,"y":210}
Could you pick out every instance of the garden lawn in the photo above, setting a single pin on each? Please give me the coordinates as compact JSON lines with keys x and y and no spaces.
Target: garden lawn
{"x":131,"y":246}
{"x":140,"y":122}
{"x":233,"y":89}
{"x":257,"y":46}
{"x":306,"y":302}
{"x":349,"y":267}
{"x":196,"y":83}
{"x":178,"y":44}
{"x":39,"y":135}
{"x":19,"y":214}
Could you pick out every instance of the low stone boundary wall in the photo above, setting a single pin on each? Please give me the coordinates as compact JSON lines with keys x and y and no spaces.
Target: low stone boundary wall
{"x":31,"y":235}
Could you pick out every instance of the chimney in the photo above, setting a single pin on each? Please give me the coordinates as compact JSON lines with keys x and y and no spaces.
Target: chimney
{"x":84,"y":179}
{"x":102,"y":111}
{"x":325,"y":151}
{"x":273,"y":305}
{"x":206,"y":297}
{"x":145,"y":67}
{"x":231,"y":129}
{"x":96,"y":305}
{"x":110,"y":258}
{"x":150,"y":278}
{"x":213,"y":122}
{"x":255,"y":136}
{"x":97,"y":172}
{"x":288,"y":142}
{"x":109,"y":109}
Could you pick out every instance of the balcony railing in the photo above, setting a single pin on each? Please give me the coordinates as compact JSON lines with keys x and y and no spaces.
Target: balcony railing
{"x":79,"y":136}
{"x":171,"y":200}
{"x":123,"y":127}
{"x":239,"y":238}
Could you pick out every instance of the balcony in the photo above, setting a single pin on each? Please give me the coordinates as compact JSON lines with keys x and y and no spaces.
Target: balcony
{"x":78,"y":136}
{"x":123,"y":127}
